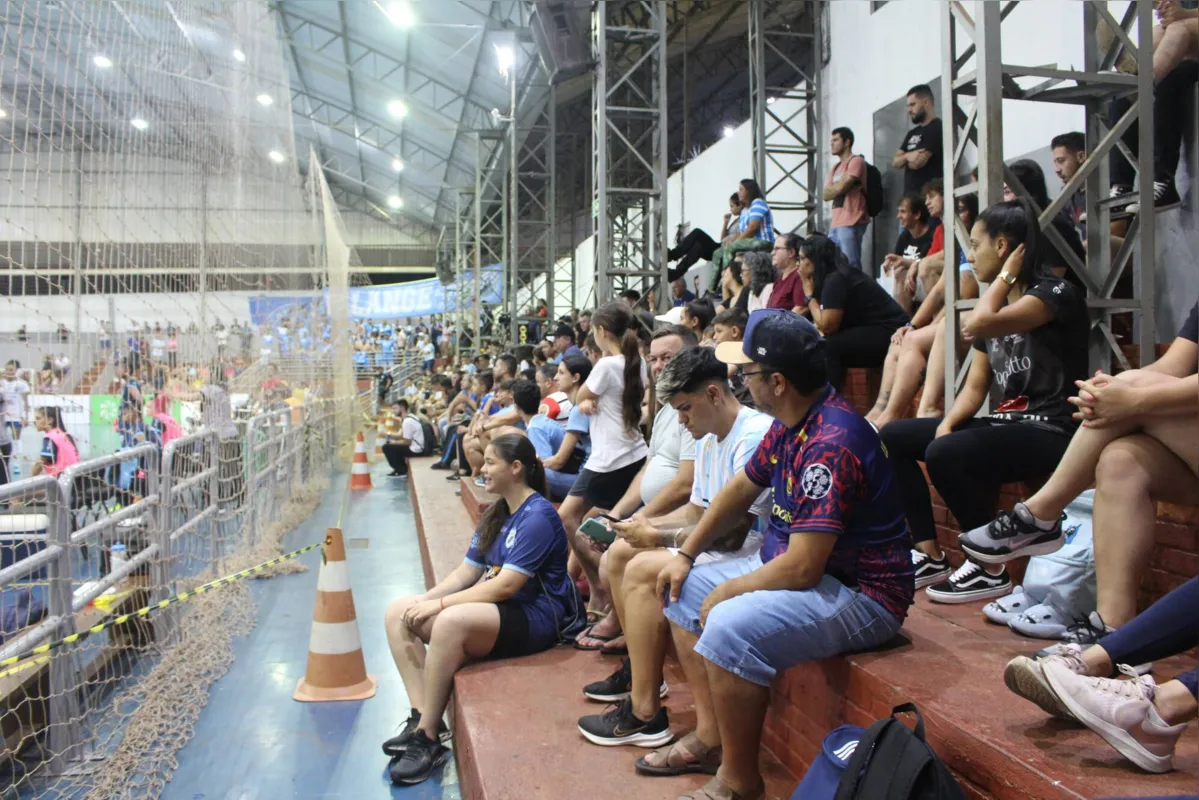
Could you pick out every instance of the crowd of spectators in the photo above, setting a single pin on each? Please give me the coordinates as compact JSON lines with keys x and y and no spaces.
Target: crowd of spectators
{"x":716,"y":492}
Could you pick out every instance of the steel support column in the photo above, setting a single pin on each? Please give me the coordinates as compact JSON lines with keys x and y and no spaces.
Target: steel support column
{"x":785,"y":110}
{"x":975,"y":82}
{"x":464,"y":248}
{"x":491,"y":221}
{"x":629,"y":146}
{"x":532,"y":217}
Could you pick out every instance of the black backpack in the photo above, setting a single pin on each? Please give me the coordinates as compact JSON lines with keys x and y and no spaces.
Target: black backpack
{"x":429,"y":434}
{"x":893,"y":762}
{"x":874,"y":190}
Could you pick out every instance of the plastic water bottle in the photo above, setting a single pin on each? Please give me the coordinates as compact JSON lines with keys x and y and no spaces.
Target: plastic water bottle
{"x":117,"y":557}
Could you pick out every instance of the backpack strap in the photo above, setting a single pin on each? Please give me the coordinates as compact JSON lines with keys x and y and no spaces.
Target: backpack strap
{"x":910,"y":708}
{"x":895,"y":760}
{"x":848,"y":787}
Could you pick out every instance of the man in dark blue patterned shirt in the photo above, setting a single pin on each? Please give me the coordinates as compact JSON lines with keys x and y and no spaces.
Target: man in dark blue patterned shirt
{"x":834,"y":574}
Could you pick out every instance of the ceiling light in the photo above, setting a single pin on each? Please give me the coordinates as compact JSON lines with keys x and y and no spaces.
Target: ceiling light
{"x":505,"y":56}
{"x":397,"y":165}
{"x":102,"y":61}
{"x":400,"y":15}
{"x":238,"y":55}
{"x":265,"y":99}
{"x":770,"y":100}
{"x":3,"y":113}
{"x":277,"y":157}
{"x":729,"y":130}
{"x":139,"y":123}
{"x":398,"y":109}
{"x":395,"y":201}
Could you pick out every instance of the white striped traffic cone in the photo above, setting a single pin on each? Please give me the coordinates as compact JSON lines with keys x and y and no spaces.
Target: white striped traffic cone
{"x":336,"y":668}
{"x":360,"y":471}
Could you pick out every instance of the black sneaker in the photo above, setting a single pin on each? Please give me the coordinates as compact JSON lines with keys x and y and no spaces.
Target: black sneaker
{"x":399,"y":743}
{"x":1012,"y":534}
{"x":929,"y":570}
{"x":970,"y":582}
{"x":617,"y":686}
{"x":618,"y":726}
{"x":441,"y":466}
{"x":1086,"y":632}
{"x":416,"y":764}
{"x":454,"y":476}
{"x":1165,"y":197}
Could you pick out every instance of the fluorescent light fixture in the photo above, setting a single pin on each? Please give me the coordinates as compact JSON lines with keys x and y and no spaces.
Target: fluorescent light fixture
{"x":770,"y":100}
{"x":398,"y":109}
{"x":395,"y":201}
{"x":397,"y":164}
{"x":102,"y":61}
{"x":265,"y":99}
{"x":505,"y":56}
{"x":400,"y":14}
{"x":3,"y":113}
{"x":238,"y":55}
{"x":139,"y":123}
{"x":729,"y":130}
{"x":277,"y":157}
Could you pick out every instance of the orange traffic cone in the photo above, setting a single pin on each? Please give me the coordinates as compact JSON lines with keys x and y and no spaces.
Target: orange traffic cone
{"x":360,"y":471}
{"x":336,"y":668}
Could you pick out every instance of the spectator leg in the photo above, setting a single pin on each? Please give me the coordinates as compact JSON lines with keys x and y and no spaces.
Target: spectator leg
{"x":463,"y":464}
{"x":462,"y":632}
{"x":909,"y":372}
{"x":612,"y":568}
{"x":646,"y":629}
{"x":884,"y":390}
{"x":906,"y":441}
{"x":695,"y":669}
{"x":397,"y":457}
{"x":849,"y":241}
{"x":934,"y":376}
{"x":1122,"y":172}
{"x":1178,"y":43}
{"x":5,"y":457}
{"x":450,"y":452}
{"x":1132,"y":473}
{"x":967,"y":466}
{"x":408,"y":647}
{"x":1167,"y":628}
{"x":698,"y":242}
{"x":1170,"y":105}
{"x":474,"y":453}
{"x":589,"y":559}
{"x":905,"y":298}
{"x":740,"y":712}
{"x":856,"y":347}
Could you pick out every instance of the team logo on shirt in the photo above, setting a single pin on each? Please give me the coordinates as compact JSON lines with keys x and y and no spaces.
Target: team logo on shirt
{"x":817,"y":481}
{"x":511,"y":540}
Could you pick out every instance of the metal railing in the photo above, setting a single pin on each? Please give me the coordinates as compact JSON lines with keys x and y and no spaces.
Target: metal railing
{"x":184,"y":514}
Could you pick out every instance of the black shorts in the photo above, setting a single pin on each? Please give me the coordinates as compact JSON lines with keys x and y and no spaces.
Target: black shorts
{"x":604,"y":489}
{"x":513,"y":638}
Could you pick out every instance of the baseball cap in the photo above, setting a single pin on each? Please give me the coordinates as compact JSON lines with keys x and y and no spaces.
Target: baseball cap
{"x":562,"y":330}
{"x":672,"y":317}
{"x":777,"y":337}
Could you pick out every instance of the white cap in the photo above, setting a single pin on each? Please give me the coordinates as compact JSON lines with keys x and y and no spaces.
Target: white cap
{"x":672,"y":317}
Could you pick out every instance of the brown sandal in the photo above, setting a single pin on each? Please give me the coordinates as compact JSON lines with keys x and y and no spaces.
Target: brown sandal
{"x":686,"y":755}
{"x":716,"y":789}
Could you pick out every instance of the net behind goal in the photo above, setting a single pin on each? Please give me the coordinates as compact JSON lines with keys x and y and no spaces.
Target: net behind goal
{"x":172,"y":304}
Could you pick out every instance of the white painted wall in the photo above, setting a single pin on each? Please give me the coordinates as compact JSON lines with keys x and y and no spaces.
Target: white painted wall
{"x":42,"y":314}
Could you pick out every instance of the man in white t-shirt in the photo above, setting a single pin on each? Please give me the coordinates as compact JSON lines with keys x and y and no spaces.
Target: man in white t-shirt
{"x":662,"y":485}
{"x":695,"y":384}
{"x":409,"y":442}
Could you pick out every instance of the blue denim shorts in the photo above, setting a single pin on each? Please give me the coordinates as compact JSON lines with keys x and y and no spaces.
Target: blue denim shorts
{"x":756,"y":635}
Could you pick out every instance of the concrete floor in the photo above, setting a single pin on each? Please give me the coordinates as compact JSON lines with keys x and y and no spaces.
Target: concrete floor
{"x":253,"y":740}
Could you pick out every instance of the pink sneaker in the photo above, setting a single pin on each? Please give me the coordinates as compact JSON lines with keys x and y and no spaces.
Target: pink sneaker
{"x":1025,"y":677}
{"x":1121,"y":711}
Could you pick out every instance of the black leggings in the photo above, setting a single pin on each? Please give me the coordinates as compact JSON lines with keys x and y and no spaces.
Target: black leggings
{"x":1167,"y":628}
{"x":966,"y":467}
{"x":856,"y":347}
{"x":1169,"y":122}
{"x":695,"y":246}
{"x":397,"y":456}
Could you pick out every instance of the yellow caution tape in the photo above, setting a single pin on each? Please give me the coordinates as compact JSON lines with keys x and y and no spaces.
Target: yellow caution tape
{"x":42,"y":649}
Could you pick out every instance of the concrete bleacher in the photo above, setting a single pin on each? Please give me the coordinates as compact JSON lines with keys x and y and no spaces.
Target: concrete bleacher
{"x":948,"y":660}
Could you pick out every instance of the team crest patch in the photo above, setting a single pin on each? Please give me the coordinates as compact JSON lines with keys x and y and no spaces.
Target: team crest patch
{"x":817,"y":481}
{"x":511,"y":540}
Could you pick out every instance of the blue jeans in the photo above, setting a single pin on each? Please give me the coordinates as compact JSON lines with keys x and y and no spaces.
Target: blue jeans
{"x":849,"y":241}
{"x":559,"y":484}
{"x":756,"y":635}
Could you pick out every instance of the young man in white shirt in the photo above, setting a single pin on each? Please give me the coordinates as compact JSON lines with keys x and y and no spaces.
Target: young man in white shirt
{"x":695,"y":385}
{"x":409,"y":442}
{"x":14,"y":391}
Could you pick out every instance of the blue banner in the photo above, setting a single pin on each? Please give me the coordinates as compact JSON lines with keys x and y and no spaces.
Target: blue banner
{"x":393,"y":301}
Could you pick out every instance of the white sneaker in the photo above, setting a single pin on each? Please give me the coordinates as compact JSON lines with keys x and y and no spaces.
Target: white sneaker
{"x":1025,"y":677}
{"x":1121,"y":711}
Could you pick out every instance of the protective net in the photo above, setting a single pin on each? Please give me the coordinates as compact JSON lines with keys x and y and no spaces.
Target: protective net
{"x":172,"y":308}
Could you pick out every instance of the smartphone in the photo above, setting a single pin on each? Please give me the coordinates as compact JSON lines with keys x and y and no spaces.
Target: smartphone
{"x":609,"y":517}
{"x":598,"y":531}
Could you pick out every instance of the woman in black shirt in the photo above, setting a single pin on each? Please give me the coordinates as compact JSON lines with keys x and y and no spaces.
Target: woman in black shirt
{"x":1030,"y":333}
{"x":855,"y":314}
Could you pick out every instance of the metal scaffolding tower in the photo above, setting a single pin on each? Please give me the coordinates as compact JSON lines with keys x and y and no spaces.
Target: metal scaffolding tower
{"x":491,"y":222}
{"x":532,"y":214}
{"x":973,"y":69}
{"x":629,"y":146}
{"x":785,"y":109}
{"x":464,"y":256}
